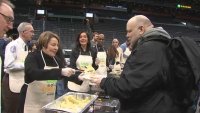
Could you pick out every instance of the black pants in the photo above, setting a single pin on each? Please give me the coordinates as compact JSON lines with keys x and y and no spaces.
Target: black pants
{"x":10,"y":99}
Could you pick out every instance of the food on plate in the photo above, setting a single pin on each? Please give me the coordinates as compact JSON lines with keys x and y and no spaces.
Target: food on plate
{"x":89,"y":69}
{"x":88,"y":72}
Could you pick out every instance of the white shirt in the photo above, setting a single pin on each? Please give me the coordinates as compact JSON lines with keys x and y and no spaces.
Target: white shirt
{"x":120,"y":56}
{"x":14,"y":51}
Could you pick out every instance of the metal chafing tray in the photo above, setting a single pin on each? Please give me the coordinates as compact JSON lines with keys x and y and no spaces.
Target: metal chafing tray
{"x":106,"y":105}
{"x":71,"y":102}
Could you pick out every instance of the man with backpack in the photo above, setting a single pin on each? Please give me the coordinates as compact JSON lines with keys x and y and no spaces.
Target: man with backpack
{"x":148,"y":83}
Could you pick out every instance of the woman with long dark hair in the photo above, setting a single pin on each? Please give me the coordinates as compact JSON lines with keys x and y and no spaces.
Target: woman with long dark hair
{"x":81,"y":57}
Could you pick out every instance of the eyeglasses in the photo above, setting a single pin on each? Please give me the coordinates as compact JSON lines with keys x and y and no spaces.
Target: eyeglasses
{"x":8,"y":18}
{"x":101,"y":39}
{"x":30,"y":31}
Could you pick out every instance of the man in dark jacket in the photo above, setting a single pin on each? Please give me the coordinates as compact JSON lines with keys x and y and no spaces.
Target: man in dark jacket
{"x":142,"y":86}
{"x":6,"y":23}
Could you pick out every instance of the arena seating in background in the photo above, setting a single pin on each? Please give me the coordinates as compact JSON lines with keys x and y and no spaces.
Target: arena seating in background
{"x":111,"y":28}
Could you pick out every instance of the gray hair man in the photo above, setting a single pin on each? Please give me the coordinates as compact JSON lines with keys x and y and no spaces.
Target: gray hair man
{"x":15,"y":54}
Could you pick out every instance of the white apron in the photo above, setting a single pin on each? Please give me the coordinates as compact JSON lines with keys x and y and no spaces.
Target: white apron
{"x":81,"y":63}
{"x":102,"y":69}
{"x":119,"y":58}
{"x":40,"y":93}
{"x":127,"y":52}
{"x":116,"y":69}
{"x":16,"y":78}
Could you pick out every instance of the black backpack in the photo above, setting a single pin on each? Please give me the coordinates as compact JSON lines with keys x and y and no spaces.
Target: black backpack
{"x":183,"y":55}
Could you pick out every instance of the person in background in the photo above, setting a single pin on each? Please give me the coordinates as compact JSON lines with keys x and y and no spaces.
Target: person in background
{"x":32,"y":46}
{"x":15,"y":54}
{"x":142,"y":86}
{"x":89,"y":26}
{"x":81,"y":57}
{"x":112,"y":54}
{"x":115,"y":43}
{"x":126,"y":47}
{"x":100,"y":42}
{"x":3,"y":42}
{"x":6,"y":21}
{"x":93,"y":42}
{"x":101,"y":56}
{"x":42,"y":70}
{"x":126,"y":53}
{"x":125,"y":44}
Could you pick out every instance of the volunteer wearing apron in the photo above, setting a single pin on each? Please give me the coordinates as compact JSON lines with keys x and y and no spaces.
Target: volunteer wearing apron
{"x":112,"y":53}
{"x":126,"y":47}
{"x":119,"y":57}
{"x":126,"y":54}
{"x":101,"y":56}
{"x":81,"y":57}
{"x":115,"y":43}
{"x":42,"y":68}
{"x":15,"y":54}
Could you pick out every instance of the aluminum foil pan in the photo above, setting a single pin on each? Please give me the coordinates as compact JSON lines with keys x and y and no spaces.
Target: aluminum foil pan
{"x":71,"y":102}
